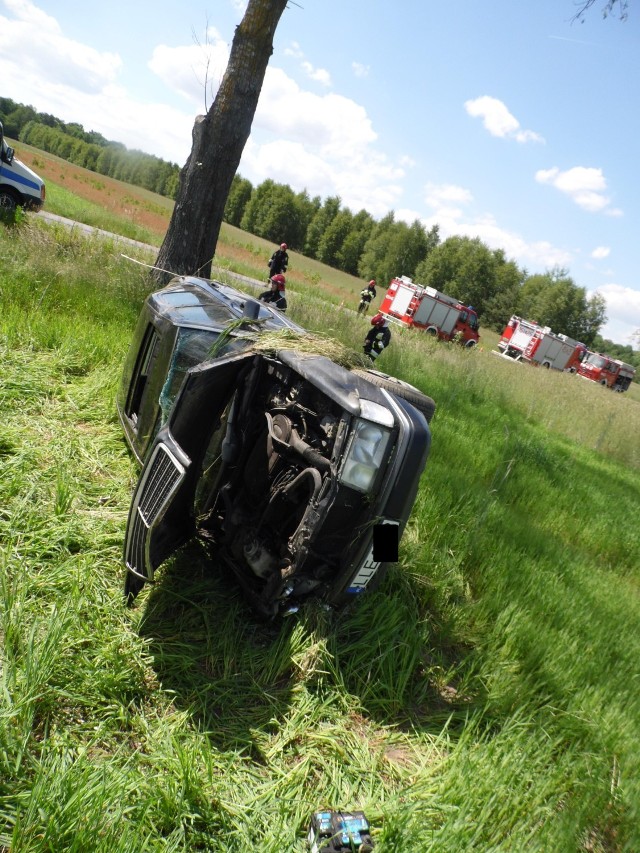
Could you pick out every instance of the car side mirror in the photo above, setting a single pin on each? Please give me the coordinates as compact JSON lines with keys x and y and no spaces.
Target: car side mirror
{"x":7,"y":155}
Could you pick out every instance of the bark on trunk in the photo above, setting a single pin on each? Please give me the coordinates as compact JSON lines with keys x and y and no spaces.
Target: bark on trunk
{"x":218,"y":142}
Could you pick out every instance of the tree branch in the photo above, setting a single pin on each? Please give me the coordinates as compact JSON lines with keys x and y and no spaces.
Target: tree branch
{"x":622,"y":6}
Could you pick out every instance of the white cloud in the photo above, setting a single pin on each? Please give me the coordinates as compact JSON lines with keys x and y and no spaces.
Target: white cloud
{"x":360,"y":70}
{"x":436,"y":194}
{"x":601,"y":252}
{"x":497,"y":119}
{"x":367,"y":180}
{"x":447,"y":201}
{"x":323,"y":141}
{"x":584,"y":185}
{"x":407,"y":162}
{"x":295,"y":50}
{"x":320,"y":75}
{"x":623,"y":312}
{"x":72,"y":63}
{"x":193,"y":71}
{"x":75,"y":82}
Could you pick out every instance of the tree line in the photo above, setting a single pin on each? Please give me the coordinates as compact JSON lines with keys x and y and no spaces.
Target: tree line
{"x":89,"y":149}
{"x":353,"y":242}
{"x":463,"y":267}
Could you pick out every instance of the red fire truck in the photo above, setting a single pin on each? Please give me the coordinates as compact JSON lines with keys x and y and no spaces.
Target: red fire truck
{"x":607,"y":371}
{"x":524,"y":340}
{"x":426,"y":308}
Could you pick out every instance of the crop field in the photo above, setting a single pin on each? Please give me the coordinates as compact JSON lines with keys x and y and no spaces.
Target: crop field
{"x":484,"y":698}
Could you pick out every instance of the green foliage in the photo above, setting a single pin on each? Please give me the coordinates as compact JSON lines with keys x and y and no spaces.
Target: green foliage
{"x":554,"y":300}
{"x":395,"y":249}
{"x":276,"y":213}
{"x":334,"y":237}
{"x":238,"y":198}
{"x":91,"y":151}
{"x":465,"y":268}
{"x":481,"y":700}
{"x":319,"y":223}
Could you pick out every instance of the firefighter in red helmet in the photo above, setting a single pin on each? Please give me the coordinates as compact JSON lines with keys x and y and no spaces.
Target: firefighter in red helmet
{"x":366,"y":295}
{"x":275,"y":295}
{"x":378,"y":337}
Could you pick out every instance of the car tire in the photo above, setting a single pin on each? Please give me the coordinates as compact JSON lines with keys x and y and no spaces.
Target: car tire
{"x":8,"y":202}
{"x":402,"y":389}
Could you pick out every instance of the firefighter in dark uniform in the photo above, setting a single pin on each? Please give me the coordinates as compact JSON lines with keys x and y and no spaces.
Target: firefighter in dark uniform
{"x":279,"y":261}
{"x":378,"y":337}
{"x":366,"y":296}
{"x":275,"y":295}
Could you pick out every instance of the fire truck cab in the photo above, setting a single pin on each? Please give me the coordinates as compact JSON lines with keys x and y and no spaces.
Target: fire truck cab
{"x":607,"y":371}
{"x":428,"y":309}
{"x":524,"y":340}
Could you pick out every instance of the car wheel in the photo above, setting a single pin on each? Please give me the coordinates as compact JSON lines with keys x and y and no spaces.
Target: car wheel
{"x":8,"y":203}
{"x":402,"y":389}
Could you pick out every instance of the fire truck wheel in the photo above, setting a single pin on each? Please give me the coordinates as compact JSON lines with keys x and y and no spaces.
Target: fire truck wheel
{"x":402,"y":389}
{"x":470,"y":344}
{"x":431,"y":330}
{"x":603,"y":382}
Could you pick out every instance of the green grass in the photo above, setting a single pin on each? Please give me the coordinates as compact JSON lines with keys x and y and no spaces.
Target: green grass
{"x":483,"y":699}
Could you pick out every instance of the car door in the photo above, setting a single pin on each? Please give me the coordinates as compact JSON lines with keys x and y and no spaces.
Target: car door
{"x":161,"y":513}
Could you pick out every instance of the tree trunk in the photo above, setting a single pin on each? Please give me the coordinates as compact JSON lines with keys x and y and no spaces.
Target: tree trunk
{"x":218,"y":141}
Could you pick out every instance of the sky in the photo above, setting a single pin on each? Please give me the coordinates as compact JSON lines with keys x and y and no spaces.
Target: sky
{"x":508,"y":121}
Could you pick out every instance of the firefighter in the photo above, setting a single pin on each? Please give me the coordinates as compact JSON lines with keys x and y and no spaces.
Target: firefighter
{"x":378,"y":337}
{"x":279,"y":261}
{"x":275,"y":294}
{"x":366,"y":296}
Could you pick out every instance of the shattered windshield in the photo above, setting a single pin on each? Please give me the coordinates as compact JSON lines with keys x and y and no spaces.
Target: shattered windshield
{"x":193,"y":346}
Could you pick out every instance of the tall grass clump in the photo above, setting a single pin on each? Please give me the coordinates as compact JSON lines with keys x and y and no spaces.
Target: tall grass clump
{"x":483,"y":699}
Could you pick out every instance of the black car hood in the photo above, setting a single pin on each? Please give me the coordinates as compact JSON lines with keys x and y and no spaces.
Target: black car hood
{"x":338,"y":383}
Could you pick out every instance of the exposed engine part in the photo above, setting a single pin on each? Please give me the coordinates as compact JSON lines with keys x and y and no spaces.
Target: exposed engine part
{"x":261,"y":562}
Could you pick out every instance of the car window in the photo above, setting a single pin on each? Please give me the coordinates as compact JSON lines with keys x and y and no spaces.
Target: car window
{"x":193,"y":346}
{"x":141,"y":373}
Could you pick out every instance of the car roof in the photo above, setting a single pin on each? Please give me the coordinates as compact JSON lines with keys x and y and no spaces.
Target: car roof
{"x":209,"y":304}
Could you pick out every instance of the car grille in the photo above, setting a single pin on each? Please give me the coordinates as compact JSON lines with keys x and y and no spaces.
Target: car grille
{"x":162,"y":477}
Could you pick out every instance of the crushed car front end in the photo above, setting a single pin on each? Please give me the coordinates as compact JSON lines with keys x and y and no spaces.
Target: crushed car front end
{"x":299,"y":474}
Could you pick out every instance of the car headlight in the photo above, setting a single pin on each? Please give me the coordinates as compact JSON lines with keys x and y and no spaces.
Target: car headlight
{"x":365,"y":455}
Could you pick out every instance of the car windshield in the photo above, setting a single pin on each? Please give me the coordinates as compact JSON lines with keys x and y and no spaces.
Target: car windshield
{"x":193,"y":346}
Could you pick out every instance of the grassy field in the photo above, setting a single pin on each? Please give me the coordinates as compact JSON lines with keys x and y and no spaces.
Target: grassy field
{"x":484,"y":699}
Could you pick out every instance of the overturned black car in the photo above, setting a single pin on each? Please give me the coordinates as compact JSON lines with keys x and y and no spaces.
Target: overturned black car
{"x":298,"y":473}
